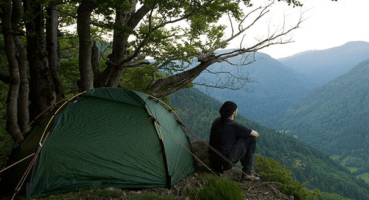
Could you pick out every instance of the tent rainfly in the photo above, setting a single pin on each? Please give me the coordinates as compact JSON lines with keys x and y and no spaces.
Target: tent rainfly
{"x":106,"y":137}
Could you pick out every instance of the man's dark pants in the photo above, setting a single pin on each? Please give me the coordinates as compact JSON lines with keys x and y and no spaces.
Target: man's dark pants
{"x":243,"y":151}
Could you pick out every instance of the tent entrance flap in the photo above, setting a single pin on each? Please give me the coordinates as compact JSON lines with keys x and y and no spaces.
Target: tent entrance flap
{"x":168,"y":177}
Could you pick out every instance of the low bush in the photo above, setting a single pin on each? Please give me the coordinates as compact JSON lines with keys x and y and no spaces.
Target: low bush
{"x":271,"y":170}
{"x":217,"y":189}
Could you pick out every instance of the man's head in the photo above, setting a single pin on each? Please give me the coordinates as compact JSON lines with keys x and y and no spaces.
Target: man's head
{"x":227,"y":110}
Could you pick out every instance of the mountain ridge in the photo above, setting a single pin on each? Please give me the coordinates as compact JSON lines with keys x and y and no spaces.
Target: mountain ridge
{"x":321,"y":66}
{"x":334,"y":118}
{"x":269,"y":80}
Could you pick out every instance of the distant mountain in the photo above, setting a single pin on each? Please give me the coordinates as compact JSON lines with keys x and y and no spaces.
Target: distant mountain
{"x":335,"y":119}
{"x":321,"y":66}
{"x":273,"y":89}
{"x":310,"y":166}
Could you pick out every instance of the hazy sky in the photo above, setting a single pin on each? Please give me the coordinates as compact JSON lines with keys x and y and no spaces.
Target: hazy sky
{"x":328,"y":24}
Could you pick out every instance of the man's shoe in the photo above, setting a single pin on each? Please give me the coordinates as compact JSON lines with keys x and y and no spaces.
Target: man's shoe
{"x":250,"y":177}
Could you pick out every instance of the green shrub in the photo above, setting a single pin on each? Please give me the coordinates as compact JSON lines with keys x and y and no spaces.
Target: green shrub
{"x":271,"y":170}
{"x":217,"y":189}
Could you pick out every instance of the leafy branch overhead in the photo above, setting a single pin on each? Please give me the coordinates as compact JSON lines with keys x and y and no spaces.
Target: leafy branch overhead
{"x":195,"y":41}
{"x":70,"y":46}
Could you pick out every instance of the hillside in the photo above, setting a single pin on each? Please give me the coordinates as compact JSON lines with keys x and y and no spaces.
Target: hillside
{"x":309,"y":165}
{"x":322,"y":66}
{"x":334,"y":118}
{"x":273,"y":87}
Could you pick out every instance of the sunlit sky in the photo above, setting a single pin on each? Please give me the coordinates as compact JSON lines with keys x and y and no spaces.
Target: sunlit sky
{"x":327,"y":24}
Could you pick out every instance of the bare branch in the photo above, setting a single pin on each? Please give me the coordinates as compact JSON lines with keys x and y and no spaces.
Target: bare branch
{"x":273,"y":39}
{"x":263,"y":12}
{"x":231,"y":23}
{"x":248,"y":14}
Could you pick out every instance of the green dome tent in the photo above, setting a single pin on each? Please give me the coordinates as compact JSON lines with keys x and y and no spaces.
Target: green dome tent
{"x":107,"y":137}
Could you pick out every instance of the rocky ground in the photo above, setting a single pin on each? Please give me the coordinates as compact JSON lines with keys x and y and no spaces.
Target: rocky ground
{"x":252,"y":190}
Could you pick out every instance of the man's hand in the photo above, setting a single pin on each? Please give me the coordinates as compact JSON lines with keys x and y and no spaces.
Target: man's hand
{"x":254,"y":133}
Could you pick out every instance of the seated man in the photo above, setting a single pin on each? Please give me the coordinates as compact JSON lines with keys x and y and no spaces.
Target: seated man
{"x":234,"y":141}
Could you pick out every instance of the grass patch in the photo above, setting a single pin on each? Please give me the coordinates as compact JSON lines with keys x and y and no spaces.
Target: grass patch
{"x":217,"y":189}
{"x":271,"y":170}
{"x":335,"y":157}
{"x":352,"y":169}
{"x":350,"y":161}
{"x":364,"y":176}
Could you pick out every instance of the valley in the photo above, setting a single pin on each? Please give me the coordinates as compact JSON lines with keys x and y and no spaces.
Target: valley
{"x":320,"y":97}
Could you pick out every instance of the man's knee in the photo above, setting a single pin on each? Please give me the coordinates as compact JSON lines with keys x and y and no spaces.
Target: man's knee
{"x":249,"y":141}
{"x":253,"y":140}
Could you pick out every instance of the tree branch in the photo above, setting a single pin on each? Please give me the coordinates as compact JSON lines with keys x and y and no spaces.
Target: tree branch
{"x":212,"y":56}
{"x":182,"y":77}
{"x":146,"y":38}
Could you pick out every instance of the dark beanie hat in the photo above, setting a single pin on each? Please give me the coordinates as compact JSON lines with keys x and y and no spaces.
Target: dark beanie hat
{"x":227,"y":109}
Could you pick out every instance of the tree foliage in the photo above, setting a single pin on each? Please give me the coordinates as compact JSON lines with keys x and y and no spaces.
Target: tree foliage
{"x":56,"y":47}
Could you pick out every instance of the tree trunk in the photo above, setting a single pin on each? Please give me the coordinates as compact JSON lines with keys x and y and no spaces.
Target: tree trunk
{"x":53,"y":50}
{"x":83,"y":28}
{"x":113,"y":72}
{"x":23,"y":98}
{"x":119,"y":49}
{"x":42,"y":88}
{"x":11,"y":52}
{"x":95,"y":63}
